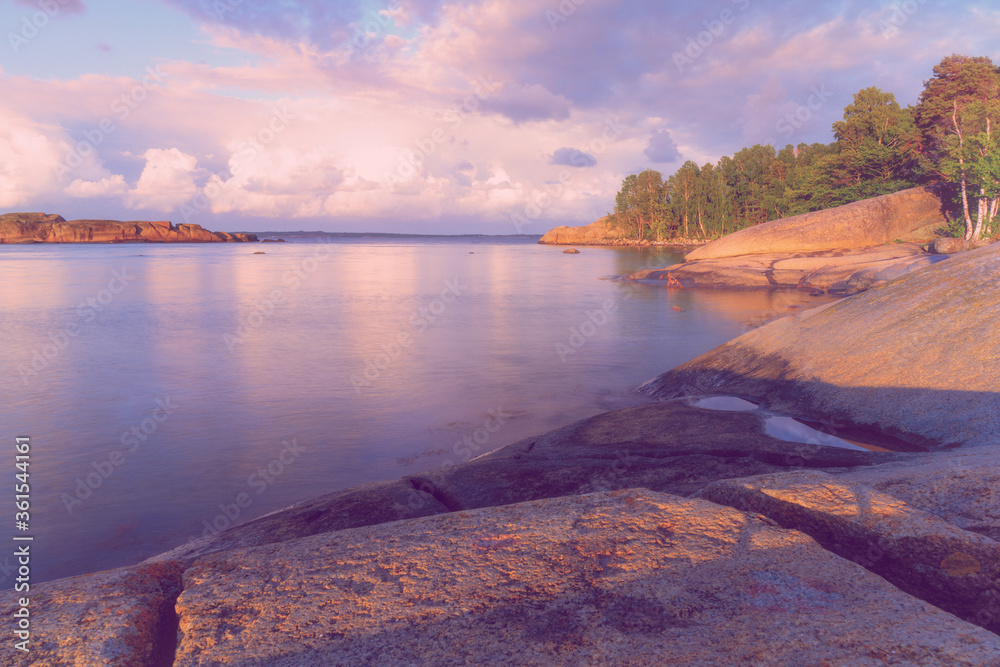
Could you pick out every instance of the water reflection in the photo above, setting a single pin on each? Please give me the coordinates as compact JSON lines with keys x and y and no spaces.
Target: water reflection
{"x":304,"y":344}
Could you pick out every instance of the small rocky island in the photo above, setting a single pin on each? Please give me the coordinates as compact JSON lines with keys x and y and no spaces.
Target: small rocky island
{"x":50,"y":228}
{"x":686,"y":531}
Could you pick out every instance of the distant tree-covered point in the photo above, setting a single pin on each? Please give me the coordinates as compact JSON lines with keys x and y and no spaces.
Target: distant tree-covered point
{"x":879,"y":148}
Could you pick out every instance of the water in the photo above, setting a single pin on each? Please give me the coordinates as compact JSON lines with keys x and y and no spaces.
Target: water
{"x":158,"y":383}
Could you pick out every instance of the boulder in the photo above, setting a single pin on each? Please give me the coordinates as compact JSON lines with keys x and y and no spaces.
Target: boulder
{"x":936,"y":561}
{"x":571,"y":251}
{"x":946,"y":246}
{"x":909,"y":215}
{"x":917,"y":358}
{"x":620,"y":578}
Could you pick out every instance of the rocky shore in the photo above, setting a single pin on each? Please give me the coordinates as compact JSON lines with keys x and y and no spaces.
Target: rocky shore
{"x":843,"y":250}
{"x":598,"y":234}
{"x":49,"y":228}
{"x":688,"y":531}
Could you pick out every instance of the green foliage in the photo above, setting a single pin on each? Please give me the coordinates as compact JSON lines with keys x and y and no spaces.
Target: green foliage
{"x":956,"y":114}
{"x":876,"y":152}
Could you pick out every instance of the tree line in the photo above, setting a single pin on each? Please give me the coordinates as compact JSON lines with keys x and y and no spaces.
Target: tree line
{"x":879,"y":147}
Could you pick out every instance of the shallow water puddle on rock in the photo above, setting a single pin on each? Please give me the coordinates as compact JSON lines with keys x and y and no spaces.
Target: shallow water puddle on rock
{"x":725,"y":403}
{"x":786,"y":428}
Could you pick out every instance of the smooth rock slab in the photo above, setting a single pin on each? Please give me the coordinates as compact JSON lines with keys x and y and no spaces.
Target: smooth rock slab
{"x":924,"y":555}
{"x":960,"y":486}
{"x":115,"y":618}
{"x":621,"y":578}
{"x":909,"y":214}
{"x":670,"y":447}
{"x":843,"y":272}
{"x":917,"y":358}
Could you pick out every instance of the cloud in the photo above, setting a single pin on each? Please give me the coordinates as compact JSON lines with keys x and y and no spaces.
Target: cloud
{"x":106,"y":187}
{"x":570,"y":157}
{"x":527,"y":103}
{"x":662,"y":148}
{"x":29,"y":155}
{"x":166,"y":181}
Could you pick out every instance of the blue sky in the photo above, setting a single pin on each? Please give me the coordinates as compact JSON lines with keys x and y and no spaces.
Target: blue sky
{"x":423,"y":115}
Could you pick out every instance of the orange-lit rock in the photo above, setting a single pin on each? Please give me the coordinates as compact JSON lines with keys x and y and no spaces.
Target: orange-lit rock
{"x":917,"y":358}
{"x":669,"y":447}
{"x":116,"y":618}
{"x":924,"y":555}
{"x":596,"y":233}
{"x":910,"y":215}
{"x":839,"y":272}
{"x":45,"y":228}
{"x":621,"y":578}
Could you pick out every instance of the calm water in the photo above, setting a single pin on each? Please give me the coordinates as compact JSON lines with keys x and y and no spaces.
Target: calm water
{"x":158,"y":383}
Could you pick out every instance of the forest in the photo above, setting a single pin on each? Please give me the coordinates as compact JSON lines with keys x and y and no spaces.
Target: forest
{"x":879,"y":148}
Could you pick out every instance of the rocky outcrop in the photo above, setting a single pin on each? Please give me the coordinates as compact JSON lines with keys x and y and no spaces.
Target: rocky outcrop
{"x":910,"y":215}
{"x":117,"y":618}
{"x":621,"y":578}
{"x":673,"y":447}
{"x":596,"y":233}
{"x":739,"y":548}
{"x":614,"y":578}
{"x":917,"y":358}
{"x":922,"y":554}
{"x":838,"y":272}
{"x":47,"y":228}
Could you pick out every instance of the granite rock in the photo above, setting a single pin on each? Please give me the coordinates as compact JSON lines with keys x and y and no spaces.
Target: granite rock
{"x":917,"y":359}
{"x":909,"y":215}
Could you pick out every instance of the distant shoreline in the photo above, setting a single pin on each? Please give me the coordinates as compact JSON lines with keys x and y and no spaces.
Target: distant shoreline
{"x":363,"y":235}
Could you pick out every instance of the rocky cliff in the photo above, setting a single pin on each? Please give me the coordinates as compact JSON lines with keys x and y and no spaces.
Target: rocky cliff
{"x":48,"y":228}
{"x":596,"y":233}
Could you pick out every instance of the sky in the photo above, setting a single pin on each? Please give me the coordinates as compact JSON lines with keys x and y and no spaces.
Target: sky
{"x":427,"y":116}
